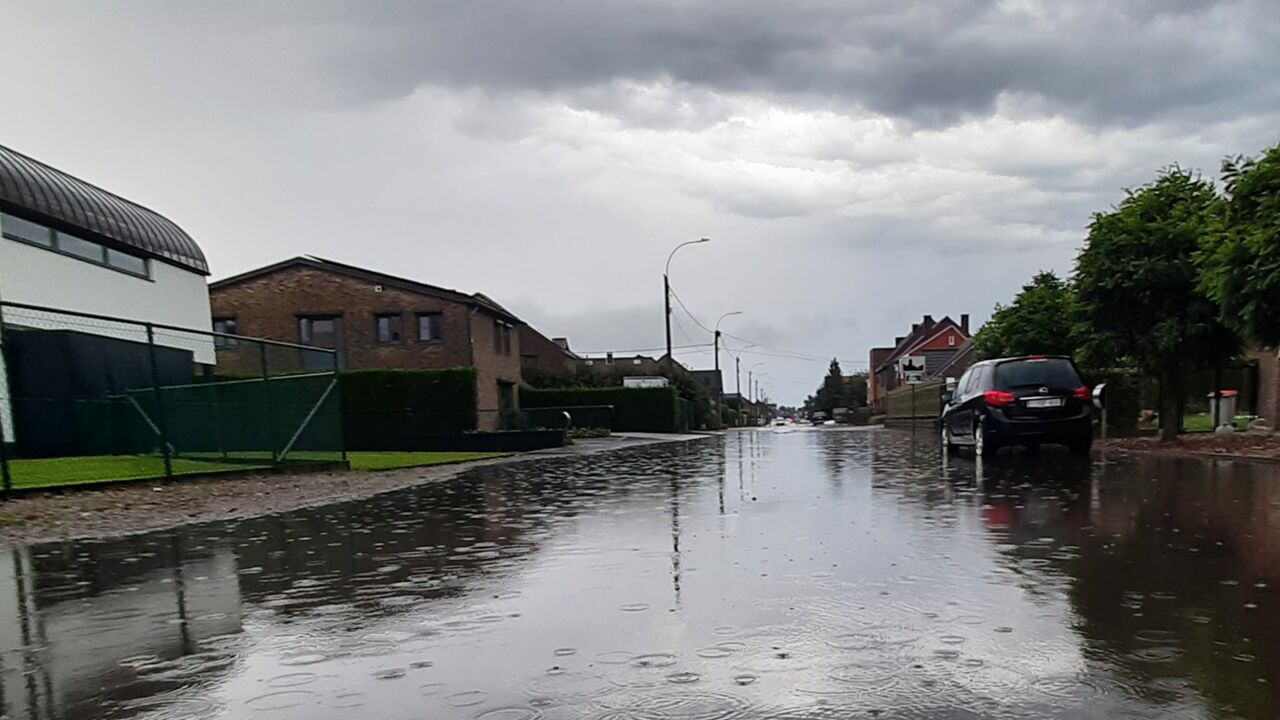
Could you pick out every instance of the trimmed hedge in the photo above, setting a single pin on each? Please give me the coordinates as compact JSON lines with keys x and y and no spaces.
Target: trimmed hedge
{"x":379,"y":406}
{"x":634,"y":409}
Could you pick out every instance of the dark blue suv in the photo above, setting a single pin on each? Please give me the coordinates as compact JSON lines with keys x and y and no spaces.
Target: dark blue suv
{"x":1019,"y":401}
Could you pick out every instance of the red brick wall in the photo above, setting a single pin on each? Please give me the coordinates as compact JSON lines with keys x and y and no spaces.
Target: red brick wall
{"x":269,"y":306}
{"x":492,"y":367}
{"x":940,"y":342}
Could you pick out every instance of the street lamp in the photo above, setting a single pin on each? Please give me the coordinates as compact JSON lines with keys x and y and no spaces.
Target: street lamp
{"x":737,"y":369}
{"x":737,"y":379}
{"x":720,"y":393}
{"x":751,"y":371}
{"x":666,"y":297}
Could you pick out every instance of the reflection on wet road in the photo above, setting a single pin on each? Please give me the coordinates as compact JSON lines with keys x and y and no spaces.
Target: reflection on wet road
{"x":767,"y":574}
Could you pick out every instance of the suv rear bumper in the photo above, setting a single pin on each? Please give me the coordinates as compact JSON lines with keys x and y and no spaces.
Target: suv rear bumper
{"x":1074,"y":429}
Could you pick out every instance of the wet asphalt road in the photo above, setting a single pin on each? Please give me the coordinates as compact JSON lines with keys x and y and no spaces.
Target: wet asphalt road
{"x":808,"y":573}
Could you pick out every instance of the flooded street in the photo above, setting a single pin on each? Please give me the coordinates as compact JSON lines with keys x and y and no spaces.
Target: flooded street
{"x":806,"y":573}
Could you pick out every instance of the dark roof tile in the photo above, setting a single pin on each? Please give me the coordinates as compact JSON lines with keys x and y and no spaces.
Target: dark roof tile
{"x":40,"y":193}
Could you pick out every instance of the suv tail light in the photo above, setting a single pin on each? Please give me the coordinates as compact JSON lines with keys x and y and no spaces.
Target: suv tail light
{"x":1081,"y":393}
{"x":999,"y":398}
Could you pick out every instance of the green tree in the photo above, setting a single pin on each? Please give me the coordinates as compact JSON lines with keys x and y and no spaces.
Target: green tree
{"x":1240,"y":269}
{"x":1035,"y":324}
{"x":855,"y":390}
{"x":831,"y":394}
{"x":1136,"y":287}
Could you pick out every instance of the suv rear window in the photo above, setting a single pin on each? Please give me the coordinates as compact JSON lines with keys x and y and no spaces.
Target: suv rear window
{"x":1050,"y":372}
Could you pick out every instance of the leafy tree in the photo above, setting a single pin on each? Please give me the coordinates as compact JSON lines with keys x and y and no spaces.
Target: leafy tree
{"x":855,"y":390}
{"x":831,"y":394}
{"x":1241,"y":267}
{"x":1035,"y":324}
{"x":1136,"y":287}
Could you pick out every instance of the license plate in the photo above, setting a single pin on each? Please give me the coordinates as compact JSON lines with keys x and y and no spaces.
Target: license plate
{"x":1043,"y":402}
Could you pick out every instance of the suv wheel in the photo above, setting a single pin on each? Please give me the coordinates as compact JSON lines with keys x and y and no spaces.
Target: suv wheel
{"x":1080,"y":448}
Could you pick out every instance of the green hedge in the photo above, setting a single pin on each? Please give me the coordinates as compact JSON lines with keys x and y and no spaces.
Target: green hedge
{"x":634,"y":409}
{"x":1125,"y":397}
{"x":407,"y":402}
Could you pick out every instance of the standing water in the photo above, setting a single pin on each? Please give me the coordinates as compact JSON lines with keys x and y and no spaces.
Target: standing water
{"x":767,"y":574}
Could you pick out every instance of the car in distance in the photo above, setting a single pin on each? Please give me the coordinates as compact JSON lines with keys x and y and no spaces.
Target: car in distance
{"x":1023,"y":401}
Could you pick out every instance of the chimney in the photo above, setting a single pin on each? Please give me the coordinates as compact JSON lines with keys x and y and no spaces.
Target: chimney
{"x":964,"y":323}
{"x":562,"y":342}
{"x":898,"y":340}
{"x":915,"y":327}
{"x":928,"y":321}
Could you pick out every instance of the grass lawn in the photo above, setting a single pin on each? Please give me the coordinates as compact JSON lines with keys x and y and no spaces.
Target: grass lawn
{"x":393,"y":460}
{"x":1203,"y":422}
{"x":56,"y":472}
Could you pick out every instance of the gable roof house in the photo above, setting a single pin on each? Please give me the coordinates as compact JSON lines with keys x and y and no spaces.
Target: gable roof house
{"x":930,"y":347}
{"x":377,"y":320}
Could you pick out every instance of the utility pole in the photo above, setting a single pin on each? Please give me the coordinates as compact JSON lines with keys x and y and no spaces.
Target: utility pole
{"x":720,"y":380}
{"x":666,"y":299}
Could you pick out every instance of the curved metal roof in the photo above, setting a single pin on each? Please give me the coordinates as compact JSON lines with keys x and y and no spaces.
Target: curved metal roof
{"x":31,"y":189}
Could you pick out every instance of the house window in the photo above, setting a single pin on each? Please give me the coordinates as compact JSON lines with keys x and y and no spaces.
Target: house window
{"x":126,"y":262}
{"x":637,"y":361}
{"x":15,"y":228}
{"x":81,"y":248}
{"x":951,"y":340}
{"x":501,"y":338}
{"x":25,"y":231}
{"x":318,"y":331}
{"x":389,"y":328}
{"x":321,"y":331}
{"x":430,"y":327}
{"x":228,"y":327}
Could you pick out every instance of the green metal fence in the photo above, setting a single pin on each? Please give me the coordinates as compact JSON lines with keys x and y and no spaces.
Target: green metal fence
{"x":90,"y":398}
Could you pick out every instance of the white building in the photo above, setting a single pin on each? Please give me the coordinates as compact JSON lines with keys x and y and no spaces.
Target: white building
{"x":70,"y":245}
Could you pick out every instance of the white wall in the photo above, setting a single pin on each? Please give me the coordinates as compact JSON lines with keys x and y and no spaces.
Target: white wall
{"x":35,"y":276}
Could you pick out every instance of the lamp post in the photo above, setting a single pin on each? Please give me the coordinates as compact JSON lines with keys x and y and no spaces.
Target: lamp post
{"x":666,"y":297}
{"x":750,"y":371}
{"x":737,"y":377}
{"x":716,"y":342}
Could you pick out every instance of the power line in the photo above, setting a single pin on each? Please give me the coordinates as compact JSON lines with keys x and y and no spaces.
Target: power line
{"x":695,"y":320}
{"x":641,"y":350}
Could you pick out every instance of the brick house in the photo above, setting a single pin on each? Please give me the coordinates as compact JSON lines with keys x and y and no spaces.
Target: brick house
{"x":537,"y":351}
{"x":373,"y":320}
{"x":931,"y":346}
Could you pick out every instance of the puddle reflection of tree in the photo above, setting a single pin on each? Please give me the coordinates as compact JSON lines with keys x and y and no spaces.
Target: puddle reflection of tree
{"x":1163,"y":553}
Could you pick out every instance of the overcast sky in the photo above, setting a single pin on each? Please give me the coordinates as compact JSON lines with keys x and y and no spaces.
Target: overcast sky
{"x":856,"y":164}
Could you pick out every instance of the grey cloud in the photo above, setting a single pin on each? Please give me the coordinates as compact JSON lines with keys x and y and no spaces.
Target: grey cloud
{"x":925,"y":61}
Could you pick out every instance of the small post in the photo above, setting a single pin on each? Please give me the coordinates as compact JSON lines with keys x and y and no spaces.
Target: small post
{"x":1217,"y":395}
{"x":342,"y":418}
{"x":159,"y":400}
{"x":4,"y":462}
{"x":4,"y":455}
{"x":267,"y":394}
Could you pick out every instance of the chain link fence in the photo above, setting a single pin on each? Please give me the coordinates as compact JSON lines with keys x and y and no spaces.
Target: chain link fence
{"x":87,"y":398}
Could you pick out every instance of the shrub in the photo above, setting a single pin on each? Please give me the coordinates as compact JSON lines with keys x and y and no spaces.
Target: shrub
{"x":634,"y":409}
{"x":379,"y":405}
